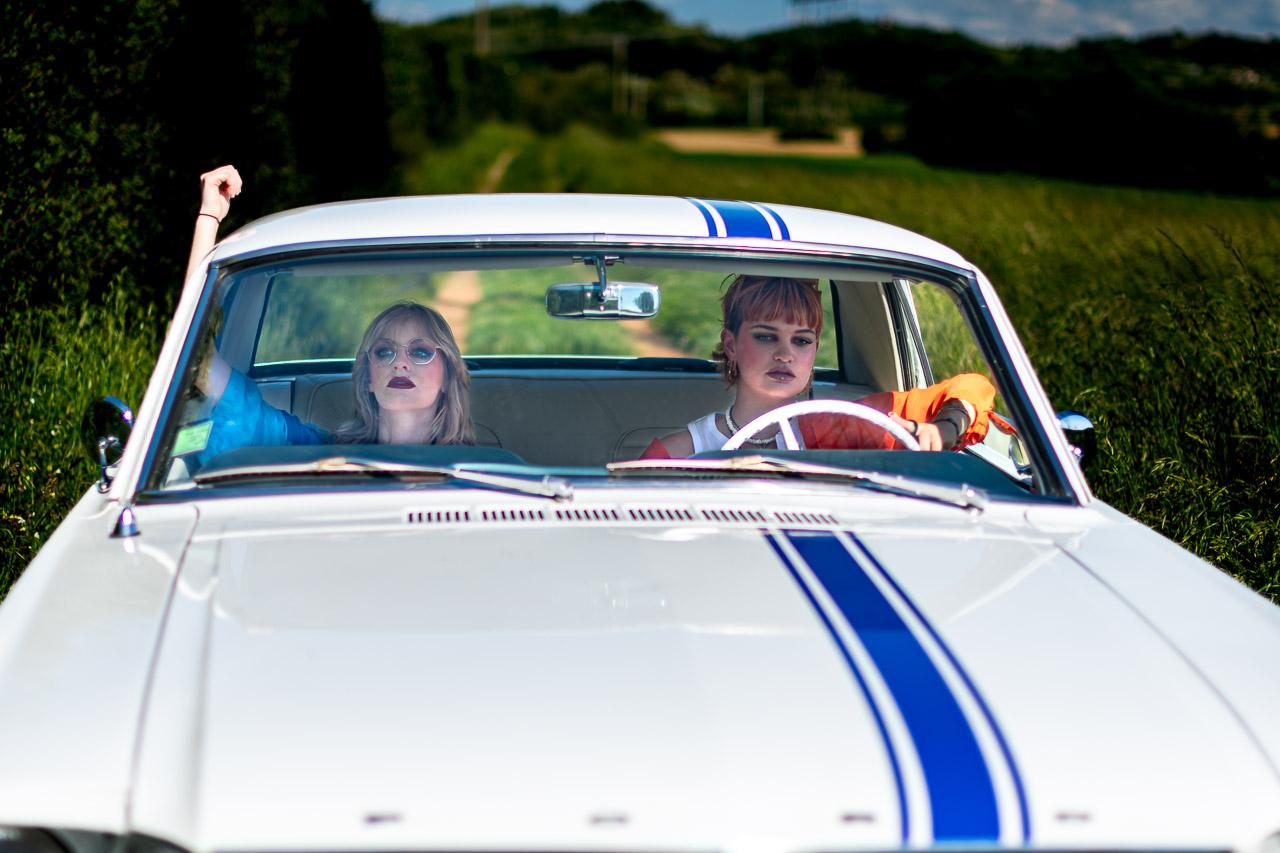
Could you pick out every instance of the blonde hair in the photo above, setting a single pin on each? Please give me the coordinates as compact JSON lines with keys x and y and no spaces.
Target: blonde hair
{"x":766,"y":298}
{"x":452,"y":421}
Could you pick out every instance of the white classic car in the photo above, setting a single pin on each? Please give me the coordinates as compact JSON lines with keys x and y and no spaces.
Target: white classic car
{"x":537,"y":643}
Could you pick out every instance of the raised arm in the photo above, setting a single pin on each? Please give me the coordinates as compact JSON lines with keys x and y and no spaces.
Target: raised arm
{"x":217,"y":188}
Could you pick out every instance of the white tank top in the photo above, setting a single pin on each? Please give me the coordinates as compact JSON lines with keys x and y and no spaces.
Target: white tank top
{"x":707,"y":436}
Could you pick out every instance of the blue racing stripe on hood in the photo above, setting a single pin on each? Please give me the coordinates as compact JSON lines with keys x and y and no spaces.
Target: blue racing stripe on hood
{"x":1024,"y":812}
{"x":961,"y":792}
{"x":857,"y":676}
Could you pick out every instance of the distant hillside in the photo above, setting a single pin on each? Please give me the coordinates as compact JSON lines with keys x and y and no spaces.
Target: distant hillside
{"x":1196,"y":113}
{"x":1174,"y":111}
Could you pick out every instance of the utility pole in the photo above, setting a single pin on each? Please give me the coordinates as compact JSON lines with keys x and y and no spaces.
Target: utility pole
{"x":482,"y":27}
{"x":620,"y":73}
{"x":755,"y":102}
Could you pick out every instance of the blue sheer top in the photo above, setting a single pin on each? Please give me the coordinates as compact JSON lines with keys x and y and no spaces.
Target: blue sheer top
{"x":242,"y":418}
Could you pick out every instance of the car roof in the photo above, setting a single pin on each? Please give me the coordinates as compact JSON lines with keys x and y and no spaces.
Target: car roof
{"x":576,"y":215}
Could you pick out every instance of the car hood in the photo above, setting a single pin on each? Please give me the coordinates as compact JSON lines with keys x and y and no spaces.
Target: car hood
{"x":703,"y":686}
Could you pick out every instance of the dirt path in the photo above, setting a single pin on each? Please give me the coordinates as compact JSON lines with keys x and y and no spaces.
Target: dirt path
{"x":493,"y":177}
{"x":762,"y":141}
{"x":648,"y":342}
{"x":459,"y":291}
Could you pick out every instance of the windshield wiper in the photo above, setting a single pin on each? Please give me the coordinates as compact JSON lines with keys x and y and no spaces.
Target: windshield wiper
{"x":965,"y":497}
{"x":547,"y":487}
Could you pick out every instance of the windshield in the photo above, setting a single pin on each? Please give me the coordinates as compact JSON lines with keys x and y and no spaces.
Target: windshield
{"x":459,"y":362}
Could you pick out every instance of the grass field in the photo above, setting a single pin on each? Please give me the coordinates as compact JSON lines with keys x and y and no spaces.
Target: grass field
{"x":1158,"y":314}
{"x":57,"y":360}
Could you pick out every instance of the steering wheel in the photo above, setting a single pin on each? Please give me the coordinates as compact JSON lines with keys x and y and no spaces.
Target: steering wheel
{"x":783,"y":414}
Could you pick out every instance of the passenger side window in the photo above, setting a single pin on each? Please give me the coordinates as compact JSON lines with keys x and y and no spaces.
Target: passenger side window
{"x":949,"y":346}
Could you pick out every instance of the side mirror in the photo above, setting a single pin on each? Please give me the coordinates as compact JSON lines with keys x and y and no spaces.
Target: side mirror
{"x":616,"y":300}
{"x":104,"y":431}
{"x":1079,"y":432}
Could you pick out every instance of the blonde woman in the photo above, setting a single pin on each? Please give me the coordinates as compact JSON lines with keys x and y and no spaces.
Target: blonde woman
{"x":409,"y":382}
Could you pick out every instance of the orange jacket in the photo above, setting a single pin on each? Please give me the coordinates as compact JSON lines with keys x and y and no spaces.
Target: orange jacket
{"x":824,"y":431}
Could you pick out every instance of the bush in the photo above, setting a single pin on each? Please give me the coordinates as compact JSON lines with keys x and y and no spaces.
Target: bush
{"x":79,"y":152}
{"x":112,"y":109}
{"x":1110,"y":111}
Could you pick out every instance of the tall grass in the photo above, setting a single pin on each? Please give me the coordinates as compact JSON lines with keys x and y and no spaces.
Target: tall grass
{"x":56,"y":360}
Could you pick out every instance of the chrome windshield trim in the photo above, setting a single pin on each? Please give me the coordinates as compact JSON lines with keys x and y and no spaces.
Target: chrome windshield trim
{"x":727,"y":248}
{"x":1059,"y":481}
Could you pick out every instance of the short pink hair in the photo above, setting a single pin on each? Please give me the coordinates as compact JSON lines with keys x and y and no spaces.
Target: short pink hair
{"x":763,"y":299}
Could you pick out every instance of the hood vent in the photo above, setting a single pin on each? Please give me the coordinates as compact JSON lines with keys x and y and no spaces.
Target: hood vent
{"x":612,"y":515}
{"x":728,"y":515}
{"x":588,"y":514}
{"x":808,"y":519}
{"x":512,"y":514}
{"x":438,"y":516}
{"x":659,"y":513}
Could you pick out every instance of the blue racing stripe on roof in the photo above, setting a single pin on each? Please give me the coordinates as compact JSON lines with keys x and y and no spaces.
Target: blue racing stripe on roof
{"x":962,"y":796}
{"x":857,"y":676}
{"x":706,"y":214}
{"x":742,"y":220}
{"x":782,"y":226}
{"x":1024,"y":812}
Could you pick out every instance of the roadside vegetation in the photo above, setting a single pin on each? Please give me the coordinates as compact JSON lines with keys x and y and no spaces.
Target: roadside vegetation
{"x":56,"y":360}
{"x":1171,"y":111}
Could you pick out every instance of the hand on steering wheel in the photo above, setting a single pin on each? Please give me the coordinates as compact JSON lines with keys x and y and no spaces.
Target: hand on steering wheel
{"x":783,"y":414}
{"x":927,"y":435}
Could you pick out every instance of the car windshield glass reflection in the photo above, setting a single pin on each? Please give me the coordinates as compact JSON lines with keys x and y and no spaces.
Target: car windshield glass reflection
{"x":343,"y":353}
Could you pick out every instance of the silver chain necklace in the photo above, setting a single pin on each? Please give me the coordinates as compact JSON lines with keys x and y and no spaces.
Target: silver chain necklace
{"x":734,"y":428}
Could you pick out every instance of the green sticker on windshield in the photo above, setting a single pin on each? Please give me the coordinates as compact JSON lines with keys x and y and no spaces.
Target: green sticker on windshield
{"x":192,"y":438}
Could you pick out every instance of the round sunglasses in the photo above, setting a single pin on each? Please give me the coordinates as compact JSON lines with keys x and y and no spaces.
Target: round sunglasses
{"x":384,"y":351}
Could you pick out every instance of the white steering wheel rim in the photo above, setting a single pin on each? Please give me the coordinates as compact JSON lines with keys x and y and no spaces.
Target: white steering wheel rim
{"x":783,"y":414}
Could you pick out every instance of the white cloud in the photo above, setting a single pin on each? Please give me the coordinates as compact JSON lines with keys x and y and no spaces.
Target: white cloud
{"x":1060,"y":21}
{"x":413,"y":11}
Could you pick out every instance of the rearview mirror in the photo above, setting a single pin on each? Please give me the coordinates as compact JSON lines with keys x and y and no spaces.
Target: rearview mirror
{"x":616,"y":300}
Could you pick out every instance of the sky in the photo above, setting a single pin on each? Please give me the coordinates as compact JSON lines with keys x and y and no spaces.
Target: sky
{"x":997,"y":21}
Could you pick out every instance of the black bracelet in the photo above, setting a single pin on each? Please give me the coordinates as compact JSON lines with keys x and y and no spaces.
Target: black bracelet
{"x":915,"y":428}
{"x":210,"y":215}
